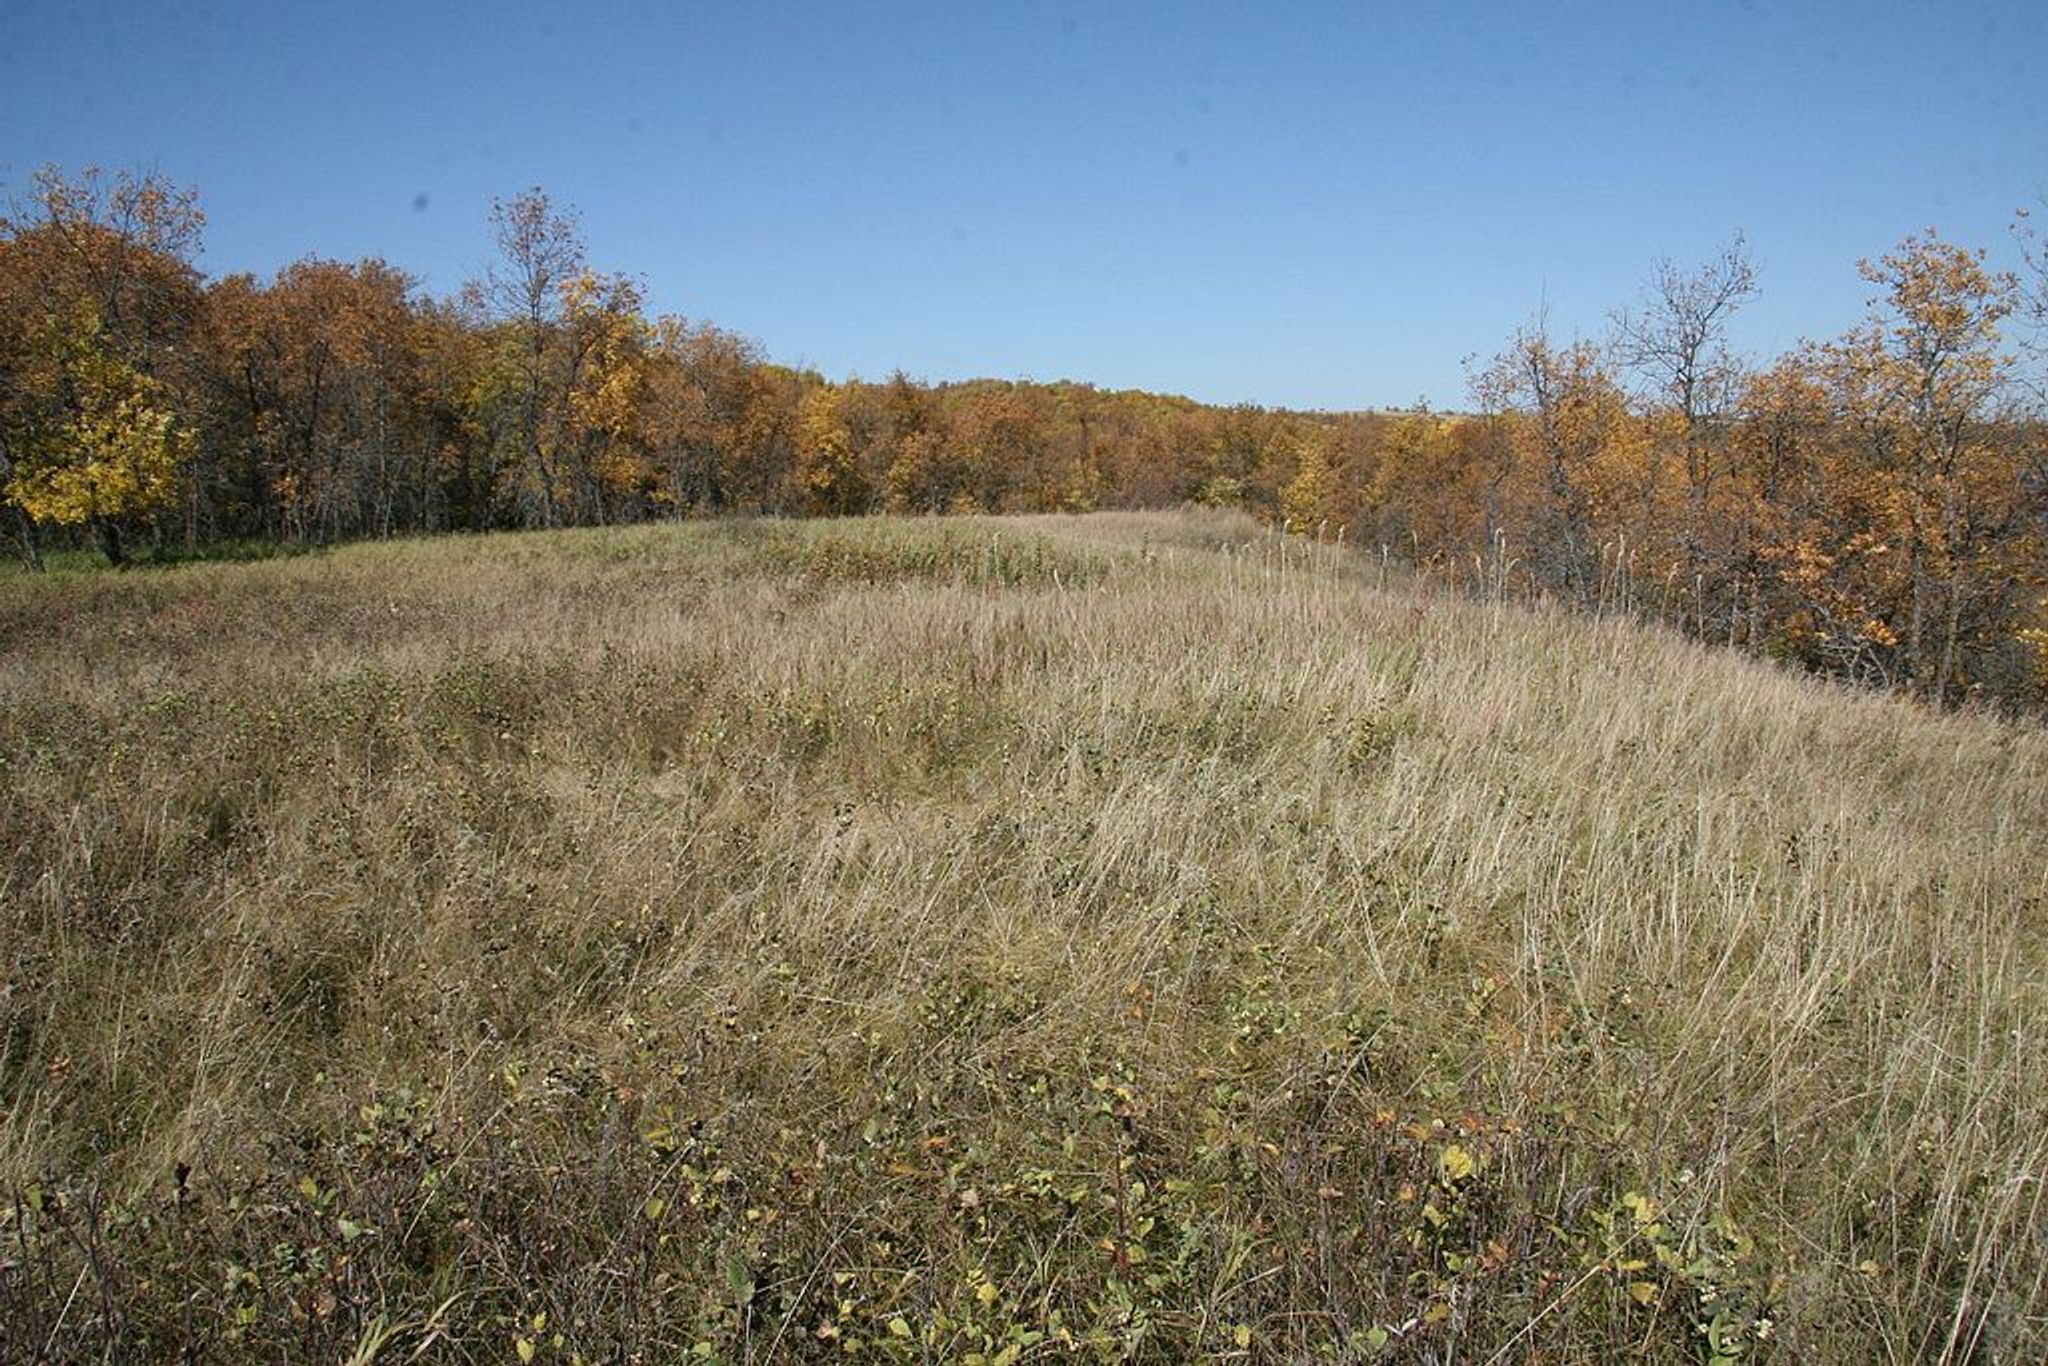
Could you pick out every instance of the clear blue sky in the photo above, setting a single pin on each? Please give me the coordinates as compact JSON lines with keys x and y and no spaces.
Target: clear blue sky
{"x":1310,"y":205}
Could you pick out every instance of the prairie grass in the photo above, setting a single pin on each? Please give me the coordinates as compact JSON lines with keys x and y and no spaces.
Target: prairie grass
{"x":1130,"y":937}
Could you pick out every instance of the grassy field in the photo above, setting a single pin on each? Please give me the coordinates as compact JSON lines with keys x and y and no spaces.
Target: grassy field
{"x":1124,"y":937}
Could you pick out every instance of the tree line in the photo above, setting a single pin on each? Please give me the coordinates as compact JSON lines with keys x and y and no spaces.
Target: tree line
{"x":1873,"y":505}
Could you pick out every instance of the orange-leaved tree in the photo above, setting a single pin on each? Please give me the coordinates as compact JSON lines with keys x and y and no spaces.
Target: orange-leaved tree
{"x":1917,"y":389}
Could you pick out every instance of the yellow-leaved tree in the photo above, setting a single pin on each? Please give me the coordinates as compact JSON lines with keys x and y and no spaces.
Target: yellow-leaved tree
{"x":602,"y":435}
{"x":106,"y":446}
{"x":1312,"y":502}
{"x":1919,"y":387}
{"x":827,"y":466}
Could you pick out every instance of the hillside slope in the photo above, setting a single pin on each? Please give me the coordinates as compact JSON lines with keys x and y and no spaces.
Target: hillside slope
{"x":1125,"y":936}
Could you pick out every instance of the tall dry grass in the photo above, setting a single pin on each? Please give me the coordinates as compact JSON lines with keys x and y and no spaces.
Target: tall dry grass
{"x":1118,"y":937}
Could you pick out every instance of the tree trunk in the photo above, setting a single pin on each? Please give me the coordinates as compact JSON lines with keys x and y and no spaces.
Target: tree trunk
{"x":110,"y":541}
{"x":31,"y":554}
{"x":1944,"y":678}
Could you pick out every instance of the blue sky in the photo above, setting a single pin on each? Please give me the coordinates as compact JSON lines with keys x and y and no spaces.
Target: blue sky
{"x":1308,"y":205}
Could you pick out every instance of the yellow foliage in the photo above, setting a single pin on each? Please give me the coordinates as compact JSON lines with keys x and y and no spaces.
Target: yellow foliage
{"x":826,"y":468}
{"x":1312,"y":498}
{"x":112,"y":449}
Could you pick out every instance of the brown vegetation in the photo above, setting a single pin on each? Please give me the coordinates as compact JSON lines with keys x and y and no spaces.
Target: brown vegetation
{"x":1120,"y":937}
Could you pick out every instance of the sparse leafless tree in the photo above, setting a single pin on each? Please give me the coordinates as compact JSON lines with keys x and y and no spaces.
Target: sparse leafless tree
{"x":540,"y":248}
{"x":1676,"y":338}
{"x":1675,"y":341}
{"x":2031,"y":314}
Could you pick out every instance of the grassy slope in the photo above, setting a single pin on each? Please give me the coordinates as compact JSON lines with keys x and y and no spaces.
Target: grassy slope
{"x":1064,"y":934}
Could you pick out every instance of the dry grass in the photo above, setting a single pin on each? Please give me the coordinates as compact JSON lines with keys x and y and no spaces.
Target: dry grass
{"x":1126,"y":937}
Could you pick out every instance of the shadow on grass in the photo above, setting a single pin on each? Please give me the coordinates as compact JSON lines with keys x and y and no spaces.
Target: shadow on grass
{"x":62,"y":561}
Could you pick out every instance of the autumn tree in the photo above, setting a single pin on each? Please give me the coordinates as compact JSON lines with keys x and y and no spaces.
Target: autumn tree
{"x":1813,"y":573}
{"x":703,"y":411}
{"x":540,"y":250}
{"x":1229,"y":453}
{"x":599,"y":429}
{"x":1437,"y":488}
{"x":1676,"y":341}
{"x":105,"y":443}
{"x":1001,"y":435}
{"x":97,"y":296}
{"x":1566,"y":418}
{"x":317,"y":382}
{"x":1076,"y":476}
{"x":1313,"y":500}
{"x":1918,"y":384}
{"x":122,"y":244}
{"x":828,"y":468}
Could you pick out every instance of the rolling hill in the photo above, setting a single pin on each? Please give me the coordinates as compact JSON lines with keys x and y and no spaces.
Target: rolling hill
{"x":1133,"y":936}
